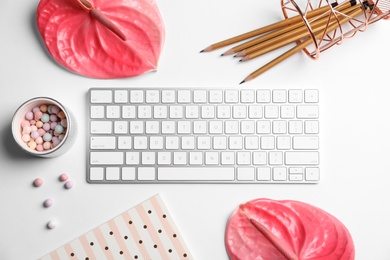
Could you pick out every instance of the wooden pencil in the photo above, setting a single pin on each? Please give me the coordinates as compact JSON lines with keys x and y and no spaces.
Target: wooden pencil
{"x":290,"y":37}
{"x":298,"y":48}
{"x":265,"y":29}
{"x":283,"y":30}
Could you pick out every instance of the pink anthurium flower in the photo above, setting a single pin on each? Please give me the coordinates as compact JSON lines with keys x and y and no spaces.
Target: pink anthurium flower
{"x":265,"y":229}
{"x":102,"y":38}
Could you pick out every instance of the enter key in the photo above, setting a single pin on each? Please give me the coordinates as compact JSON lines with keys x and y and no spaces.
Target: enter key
{"x":305,"y":143}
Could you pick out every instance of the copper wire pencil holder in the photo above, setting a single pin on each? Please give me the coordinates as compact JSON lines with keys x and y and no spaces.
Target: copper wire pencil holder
{"x":371,"y":11}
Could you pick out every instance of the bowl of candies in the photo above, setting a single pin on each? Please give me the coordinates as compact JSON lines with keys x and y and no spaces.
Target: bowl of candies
{"x":43,"y":127}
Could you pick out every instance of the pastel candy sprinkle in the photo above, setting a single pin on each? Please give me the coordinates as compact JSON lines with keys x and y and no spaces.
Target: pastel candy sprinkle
{"x":26,"y":130}
{"x":46,"y":126}
{"x":53,"y":117}
{"x":43,"y":108}
{"x":63,"y":177}
{"x":55,"y":109}
{"x":34,"y":134}
{"x":25,"y":138}
{"x":39,"y":148}
{"x":45,"y":118}
{"x":24,"y":123}
{"x":32,"y":144}
{"x":47,"y":137}
{"x":29,"y":115}
{"x":68,"y":185}
{"x":41,"y":132}
{"x":52,"y":224}
{"x":59,"y":129}
{"x":38,"y":182}
{"x":39,"y":124}
{"x":48,"y":203}
{"x":46,"y":145}
{"x":38,"y":115}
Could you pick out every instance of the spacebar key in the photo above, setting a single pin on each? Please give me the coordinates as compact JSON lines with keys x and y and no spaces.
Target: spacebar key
{"x":196,"y":174}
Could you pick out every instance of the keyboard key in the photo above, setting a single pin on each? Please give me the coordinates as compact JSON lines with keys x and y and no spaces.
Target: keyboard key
{"x":121,"y":96}
{"x":132,"y":158}
{"x":152,"y":96}
{"x":311,"y":96}
{"x":307,"y":112}
{"x":148,"y":158}
{"x":215,"y":96}
{"x":112,"y":173}
{"x":247,"y":96}
{"x":312,"y":127}
{"x":263,"y":96}
{"x":246,"y":174}
{"x":128,"y":173}
{"x":96,"y":174}
{"x":101,"y":127}
{"x":200,"y":96}
{"x":301,"y":158}
{"x":101,"y":96}
{"x":146,"y":173}
{"x":101,"y":158}
{"x":168,"y":96}
{"x":195,"y":174}
{"x":305,"y":142}
{"x":102,"y":142}
{"x":183,"y":96}
{"x":279,"y":96}
{"x":279,"y":174}
{"x":124,"y":142}
{"x":231,"y":96}
{"x":312,"y":174}
{"x":295,"y":96}
{"x":97,"y":112}
{"x":264,"y":174}
{"x":136,"y":96}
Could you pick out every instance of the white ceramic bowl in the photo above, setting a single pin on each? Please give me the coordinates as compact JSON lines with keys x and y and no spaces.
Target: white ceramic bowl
{"x":66,"y":142}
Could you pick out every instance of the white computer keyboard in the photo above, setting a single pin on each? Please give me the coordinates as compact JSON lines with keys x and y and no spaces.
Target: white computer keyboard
{"x":203,"y":135}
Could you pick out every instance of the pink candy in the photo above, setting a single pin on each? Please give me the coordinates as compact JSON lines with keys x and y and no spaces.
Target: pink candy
{"x":38,"y":128}
{"x":63,"y":177}
{"x":38,"y":182}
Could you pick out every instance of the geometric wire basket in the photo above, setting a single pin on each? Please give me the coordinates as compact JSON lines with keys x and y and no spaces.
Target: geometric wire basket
{"x":330,"y":23}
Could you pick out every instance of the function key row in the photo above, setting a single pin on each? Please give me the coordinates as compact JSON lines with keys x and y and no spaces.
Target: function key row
{"x":202,"y":96}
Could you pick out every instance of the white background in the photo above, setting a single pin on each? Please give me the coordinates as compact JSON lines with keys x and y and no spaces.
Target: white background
{"x":353,"y":79}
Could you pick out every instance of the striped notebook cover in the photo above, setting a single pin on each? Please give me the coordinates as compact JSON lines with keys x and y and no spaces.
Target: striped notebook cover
{"x":146,"y":231}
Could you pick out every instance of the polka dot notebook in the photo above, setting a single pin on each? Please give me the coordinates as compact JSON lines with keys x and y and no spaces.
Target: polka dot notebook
{"x":146,"y":231}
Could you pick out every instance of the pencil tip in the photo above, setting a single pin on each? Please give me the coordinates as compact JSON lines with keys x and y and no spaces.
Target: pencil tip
{"x":228,"y":52}
{"x":201,"y":51}
{"x":210,"y":48}
{"x":242,"y":82}
{"x":222,"y":54}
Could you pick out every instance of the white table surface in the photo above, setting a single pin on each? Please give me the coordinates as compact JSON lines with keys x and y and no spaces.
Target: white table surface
{"x":353,"y":79}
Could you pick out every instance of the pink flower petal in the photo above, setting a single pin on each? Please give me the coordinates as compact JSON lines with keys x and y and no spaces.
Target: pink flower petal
{"x":306,"y":231}
{"x":77,"y":40}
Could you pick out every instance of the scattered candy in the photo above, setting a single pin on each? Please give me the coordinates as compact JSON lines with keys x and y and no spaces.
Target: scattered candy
{"x":48,"y":203}
{"x":38,"y":182}
{"x":63,"y":177}
{"x":52,"y":224}
{"x":68,"y":185}
{"x":44,"y":127}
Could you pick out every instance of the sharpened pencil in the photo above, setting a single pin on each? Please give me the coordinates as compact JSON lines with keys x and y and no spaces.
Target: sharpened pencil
{"x":298,"y":48}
